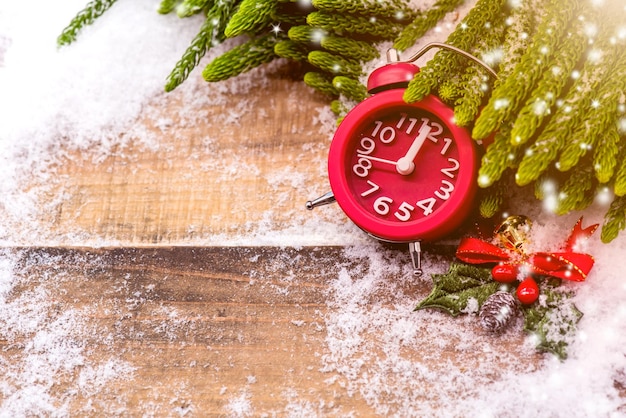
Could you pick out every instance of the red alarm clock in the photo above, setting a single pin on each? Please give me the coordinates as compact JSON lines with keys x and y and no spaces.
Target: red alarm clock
{"x":402,"y":172}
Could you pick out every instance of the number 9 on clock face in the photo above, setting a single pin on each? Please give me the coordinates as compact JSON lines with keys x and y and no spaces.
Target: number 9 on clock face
{"x":403,"y":172}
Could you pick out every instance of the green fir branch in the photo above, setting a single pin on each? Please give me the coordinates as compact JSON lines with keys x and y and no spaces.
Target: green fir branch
{"x":423,"y":22}
{"x":614,"y":220}
{"x":619,"y":186}
{"x":351,"y":49}
{"x":500,"y":156}
{"x":567,"y":117}
{"x":522,"y":24}
{"x":87,"y":16}
{"x":548,"y":90}
{"x":576,"y":191}
{"x":475,"y":80}
{"x":251,"y":16}
{"x":321,"y":82}
{"x":445,"y":62}
{"x":393,"y":9}
{"x":355,"y":25}
{"x":599,"y":116}
{"x":492,"y":199}
{"x":605,"y":155}
{"x":307,"y":34}
{"x":507,"y":96}
{"x":450,"y":90}
{"x":350,"y":88}
{"x":289,"y":49}
{"x":167,"y":6}
{"x":211,"y":32}
{"x":241,"y":58}
{"x":335,"y":64}
{"x":191,"y":7}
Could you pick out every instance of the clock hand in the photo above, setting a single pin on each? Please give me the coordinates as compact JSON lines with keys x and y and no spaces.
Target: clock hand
{"x":380,"y":160}
{"x":405,"y":165}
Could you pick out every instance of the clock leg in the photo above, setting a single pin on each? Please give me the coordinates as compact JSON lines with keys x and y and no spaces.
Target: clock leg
{"x":415,"y":250}
{"x":321,"y":201}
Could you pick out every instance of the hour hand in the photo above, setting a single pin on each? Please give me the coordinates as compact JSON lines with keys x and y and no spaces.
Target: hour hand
{"x":405,"y":165}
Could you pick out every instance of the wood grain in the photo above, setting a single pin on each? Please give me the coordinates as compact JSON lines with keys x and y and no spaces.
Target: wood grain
{"x":205,"y":330}
{"x":199,"y":168}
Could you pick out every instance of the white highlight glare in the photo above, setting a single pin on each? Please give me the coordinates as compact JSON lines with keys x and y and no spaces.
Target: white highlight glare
{"x":621,"y":125}
{"x":540,"y":108}
{"x":591,"y":30}
{"x":318,"y":35}
{"x":594,"y":56}
{"x":604,"y":197}
{"x":500,"y":104}
{"x":484,"y":181}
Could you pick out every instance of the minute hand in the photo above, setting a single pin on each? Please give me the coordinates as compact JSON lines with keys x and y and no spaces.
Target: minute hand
{"x":405,"y":165}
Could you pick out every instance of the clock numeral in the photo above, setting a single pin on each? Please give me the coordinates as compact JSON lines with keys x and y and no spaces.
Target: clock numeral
{"x":368,"y":146}
{"x":362,"y":167}
{"x":374,"y":188}
{"x":379,"y":125}
{"x":444,"y":191}
{"x":386,"y":134}
{"x":381,"y":205}
{"x":427,"y":205}
{"x":435,"y":129}
{"x":412,"y":122}
{"x":450,"y":170}
{"x":404,"y":212}
{"x":445,"y":147}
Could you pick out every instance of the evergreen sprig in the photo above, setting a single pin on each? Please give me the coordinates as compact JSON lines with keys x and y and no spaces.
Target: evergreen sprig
{"x":445,"y":62}
{"x":464,"y":288}
{"x":241,"y":58}
{"x":85,"y":17}
{"x":188,"y":8}
{"x":507,"y":96}
{"x":251,"y":16}
{"x":393,"y":9}
{"x":211,"y":32}
{"x":423,"y":22}
{"x":355,"y":24}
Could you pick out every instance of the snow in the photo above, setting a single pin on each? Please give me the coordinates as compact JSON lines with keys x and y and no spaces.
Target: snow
{"x":122,"y":61}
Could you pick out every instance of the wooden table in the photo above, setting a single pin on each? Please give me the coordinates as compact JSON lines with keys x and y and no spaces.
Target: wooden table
{"x":187,"y":278}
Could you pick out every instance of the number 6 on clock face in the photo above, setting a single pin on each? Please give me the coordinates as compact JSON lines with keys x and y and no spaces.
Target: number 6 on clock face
{"x":403,"y":172}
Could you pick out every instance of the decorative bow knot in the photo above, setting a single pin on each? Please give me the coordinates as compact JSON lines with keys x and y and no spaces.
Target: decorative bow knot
{"x":568,"y":265}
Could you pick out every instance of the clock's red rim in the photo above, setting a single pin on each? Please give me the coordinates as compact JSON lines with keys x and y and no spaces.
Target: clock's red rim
{"x":441,"y":223}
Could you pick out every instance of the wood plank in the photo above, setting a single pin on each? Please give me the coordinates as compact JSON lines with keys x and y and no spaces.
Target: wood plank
{"x":222,"y":166}
{"x":220,"y":332}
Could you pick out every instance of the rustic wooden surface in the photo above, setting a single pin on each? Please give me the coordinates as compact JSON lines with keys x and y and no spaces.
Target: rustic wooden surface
{"x":209,"y":331}
{"x":145,"y":244}
{"x":213,"y":169}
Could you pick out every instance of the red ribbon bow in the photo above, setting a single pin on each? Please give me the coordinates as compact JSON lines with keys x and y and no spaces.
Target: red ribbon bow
{"x":568,"y":265}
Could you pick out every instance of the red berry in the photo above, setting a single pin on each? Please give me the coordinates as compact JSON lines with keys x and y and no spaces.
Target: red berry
{"x":527,"y":291}
{"x":504,"y":273}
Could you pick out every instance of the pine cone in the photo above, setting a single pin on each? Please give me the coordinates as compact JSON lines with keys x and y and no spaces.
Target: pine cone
{"x":497,"y":311}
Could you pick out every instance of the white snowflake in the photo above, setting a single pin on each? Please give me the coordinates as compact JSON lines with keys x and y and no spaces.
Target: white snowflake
{"x":501,"y":103}
{"x":540,"y":108}
{"x":595,"y":56}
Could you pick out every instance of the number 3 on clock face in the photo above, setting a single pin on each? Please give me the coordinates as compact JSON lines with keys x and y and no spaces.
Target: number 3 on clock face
{"x":403,"y":172}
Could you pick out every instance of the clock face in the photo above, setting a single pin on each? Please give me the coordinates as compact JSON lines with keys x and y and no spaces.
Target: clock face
{"x":403,"y":172}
